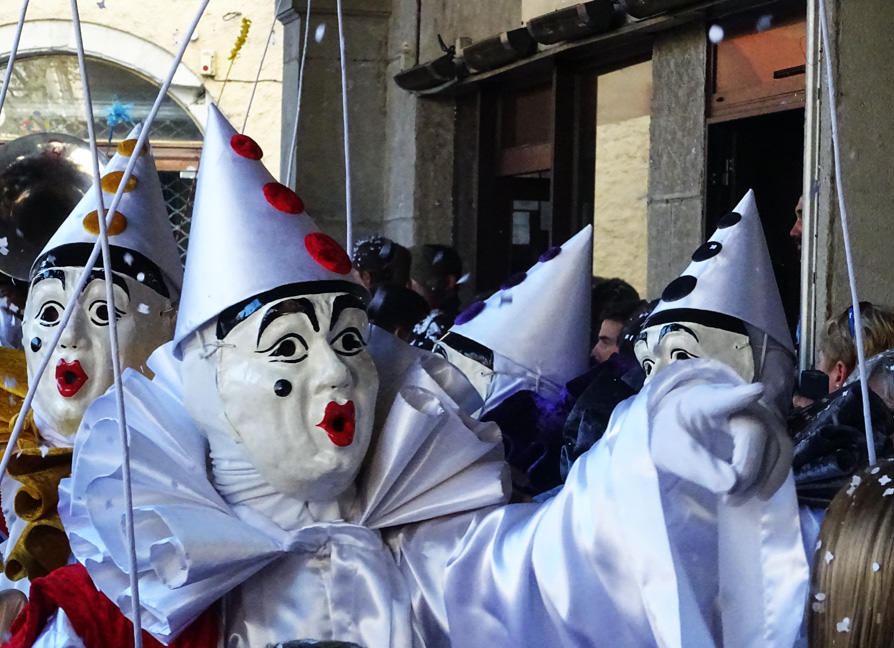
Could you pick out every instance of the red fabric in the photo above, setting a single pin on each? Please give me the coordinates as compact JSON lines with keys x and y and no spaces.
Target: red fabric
{"x":246,"y":147}
{"x":94,"y":617}
{"x":327,"y":252}
{"x":283,"y":198}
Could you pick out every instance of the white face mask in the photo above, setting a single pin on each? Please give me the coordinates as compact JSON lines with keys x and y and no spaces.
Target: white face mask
{"x":80,"y":368}
{"x":660,"y":345}
{"x":298,"y":389}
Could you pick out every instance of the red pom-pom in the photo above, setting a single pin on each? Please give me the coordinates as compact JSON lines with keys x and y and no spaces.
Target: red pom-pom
{"x":283,"y":198}
{"x":246,"y":147}
{"x":324,"y":250}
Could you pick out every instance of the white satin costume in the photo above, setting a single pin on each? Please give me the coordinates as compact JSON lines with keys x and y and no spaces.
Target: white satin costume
{"x":426,"y":555}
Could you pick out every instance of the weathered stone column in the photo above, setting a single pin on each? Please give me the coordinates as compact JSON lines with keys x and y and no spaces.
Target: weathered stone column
{"x":677,"y":149}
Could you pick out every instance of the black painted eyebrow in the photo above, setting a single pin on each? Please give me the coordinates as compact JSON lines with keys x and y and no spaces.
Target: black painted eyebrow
{"x":49,"y":273}
{"x":675,"y":326}
{"x":341,"y":303}
{"x":97,"y":273}
{"x":287,"y":307}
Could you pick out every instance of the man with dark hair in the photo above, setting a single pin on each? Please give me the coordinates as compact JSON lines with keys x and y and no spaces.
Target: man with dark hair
{"x":435,"y":274}
{"x":380,"y":260}
{"x":614,"y":300}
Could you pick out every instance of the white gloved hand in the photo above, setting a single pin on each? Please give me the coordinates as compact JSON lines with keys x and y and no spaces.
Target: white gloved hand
{"x":719,"y":437}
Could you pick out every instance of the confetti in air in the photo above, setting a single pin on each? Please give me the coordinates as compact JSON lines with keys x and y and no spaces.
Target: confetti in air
{"x":143,"y":308}
{"x":4,"y":246}
{"x":320,"y":32}
{"x":888,"y":491}
{"x":829,"y":557}
{"x":715,"y":33}
{"x":844,"y":625}
{"x":884,"y":479}
{"x":876,"y":566}
{"x":128,"y":258}
{"x":141,"y":276}
{"x":819,"y":596}
{"x":874,"y":471}
{"x":855,"y":481}
{"x":764,"y":22}
{"x":9,"y":382}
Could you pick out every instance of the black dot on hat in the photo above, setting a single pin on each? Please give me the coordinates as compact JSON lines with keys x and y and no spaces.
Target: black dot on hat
{"x":729,"y":220}
{"x":707,"y":250}
{"x":679,"y":288}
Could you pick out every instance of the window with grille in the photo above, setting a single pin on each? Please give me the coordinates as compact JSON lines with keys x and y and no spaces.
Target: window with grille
{"x":46,"y":95}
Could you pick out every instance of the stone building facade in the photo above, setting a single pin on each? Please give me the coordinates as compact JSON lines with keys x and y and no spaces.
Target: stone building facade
{"x":650,"y":131}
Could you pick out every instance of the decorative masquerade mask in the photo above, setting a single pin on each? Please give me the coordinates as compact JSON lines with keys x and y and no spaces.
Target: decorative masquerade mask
{"x":659,"y":345}
{"x":80,"y":368}
{"x":298,"y":390}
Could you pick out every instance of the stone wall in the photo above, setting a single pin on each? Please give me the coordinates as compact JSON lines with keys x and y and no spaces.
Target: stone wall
{"x":861,"y":43}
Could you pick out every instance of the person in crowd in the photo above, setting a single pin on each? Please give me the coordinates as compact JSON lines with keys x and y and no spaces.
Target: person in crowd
{"x":147,"y":275}
{"x":837,"y":356}
{"x":614,"y":296}
{"x":435,"y":273}
{"x":318,"y":519}
{"x":396,"y":309}
{"x":380,"y":260}
{"x":613,"y":317}
{"x":595,"y":394}
{"x":852,"y":577}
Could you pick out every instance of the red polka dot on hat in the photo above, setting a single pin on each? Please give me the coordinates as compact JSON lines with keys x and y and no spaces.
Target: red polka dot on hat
{"x":246,"y":147}
{"x":327,"y":252}
{"x":283,"y":198}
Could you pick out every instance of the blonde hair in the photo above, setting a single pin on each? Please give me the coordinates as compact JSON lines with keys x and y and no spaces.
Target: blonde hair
{"x":852,"y":581}
{"x":837,"y":341}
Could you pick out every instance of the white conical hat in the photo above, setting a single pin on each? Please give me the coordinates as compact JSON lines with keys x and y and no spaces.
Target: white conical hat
{"x":249,"y":234}
{"x":139,"y":226}
{"x":540,"y":319}
{"x":731,"y":275}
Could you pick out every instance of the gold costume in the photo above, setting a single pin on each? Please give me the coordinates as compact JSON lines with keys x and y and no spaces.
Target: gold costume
{"x":42,"y":545}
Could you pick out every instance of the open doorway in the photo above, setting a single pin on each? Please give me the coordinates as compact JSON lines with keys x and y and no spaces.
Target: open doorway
{"x":764,"y":153}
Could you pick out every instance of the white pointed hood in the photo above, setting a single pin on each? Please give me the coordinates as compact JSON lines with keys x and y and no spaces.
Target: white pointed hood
{"x":540,"y":319}
{"x":249,"y":234}
{"x":730,"y":274}
{"x":139,"y":226}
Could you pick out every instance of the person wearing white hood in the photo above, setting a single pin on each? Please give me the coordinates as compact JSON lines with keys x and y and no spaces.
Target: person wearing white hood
{"x":146,"y":275}
{"x":320,"y":520}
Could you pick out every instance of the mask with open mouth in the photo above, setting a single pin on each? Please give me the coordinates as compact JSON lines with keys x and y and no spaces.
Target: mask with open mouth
{"x":307,"y":441}
{"x":80,"y":369}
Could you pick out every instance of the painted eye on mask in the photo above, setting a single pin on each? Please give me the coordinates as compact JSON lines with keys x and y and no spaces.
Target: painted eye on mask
{"x":288,"y":348}
{"x":681,"y":354}
{"x":349,"y":342}
{"x":99,"y":313}
{"x":50,"y":313}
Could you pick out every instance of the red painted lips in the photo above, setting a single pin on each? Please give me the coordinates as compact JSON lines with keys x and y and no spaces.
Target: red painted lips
{"x":338,"y":421}
{"x":70,"y":377}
